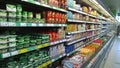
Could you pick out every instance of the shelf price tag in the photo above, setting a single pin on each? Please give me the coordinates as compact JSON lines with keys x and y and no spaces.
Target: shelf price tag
{"x":49,"y":62}
{"x":53,"y":60}
{"x":5,"y":55}
{"x":39,"y":66}
{"x":39,"y":46}
{"x":33,"y":24}
{"x":12,"y":24}
{"x":14,"y":53}
{"x":23,"y":24}
{"x":22,"y":51}
{"x":3,"y":24}
{"x":45,"y":45}
{"x":37,"y":3}
{"x":41,"y":24}
{"x":45,"y":64}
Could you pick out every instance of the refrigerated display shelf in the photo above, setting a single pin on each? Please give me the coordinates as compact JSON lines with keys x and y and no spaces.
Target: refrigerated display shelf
{"x":78,"y":11}
{"x":75,"y":32}
{"x":75,"y":50}
{"x":20,"y":24}
{"x":44,"y":64}
{"x":60,"y":56}
{"x":99,"y":53}
{"x":51,"y":61}
{"x":24,"y":50}
{"x":57,"y":42}
{"x":90,"y":29}
{"x":81,"y":47}
{"x":76,"y":41}
{"x":77,"y":21}
{"x":81,"y":12}
{"x":90,"y":36}
{"x":92,"y":22}
{"x":44,"y":5}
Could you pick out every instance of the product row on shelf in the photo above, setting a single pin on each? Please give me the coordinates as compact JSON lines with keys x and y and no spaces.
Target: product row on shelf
{"x":81,"y":53}
{"x":19,"y":13}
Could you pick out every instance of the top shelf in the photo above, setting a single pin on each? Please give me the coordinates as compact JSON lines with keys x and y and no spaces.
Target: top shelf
{"x":45,"y":5}
{"x":81,"y":12}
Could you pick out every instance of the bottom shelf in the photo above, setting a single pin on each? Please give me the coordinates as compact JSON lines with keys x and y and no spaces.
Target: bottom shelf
{"x":79,"y":60}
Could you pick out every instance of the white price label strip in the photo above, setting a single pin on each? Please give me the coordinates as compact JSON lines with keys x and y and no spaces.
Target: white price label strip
{"x":33,"y":24}
{"x":3,"y":24}
{"x":60,"y":56}
{"x":41,"y":24}
{"x":12,"y":24}
{"x":23,"y":24}
{"x":5,"y":55}
{"x":53,"y":60}
{"x":14,"y":53}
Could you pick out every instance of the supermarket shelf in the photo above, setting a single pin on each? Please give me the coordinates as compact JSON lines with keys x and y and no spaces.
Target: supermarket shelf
{"x":51,"y":61}
{"x":24,"y":50}
{"x":81,"y":12}
{"x":92,"y":22}
{"x":20,"y":24}
{"x":57,"y":42}
{"x":81,"y":47}
{"x":99,"y":53}
{"x":75,"y":32}
{"x":78,"y":21}
{"x":76,"y":41}
{"x":75,"y":50}
{"x":90,"y":29}
{"x":98,"y":28}
{"x":104,"y":27}
{"x":44,"y":64}
{"x":71,"y":9}
{"x":44,"y":5}
{"x":90,"y":36}
{"x":55,"y":59}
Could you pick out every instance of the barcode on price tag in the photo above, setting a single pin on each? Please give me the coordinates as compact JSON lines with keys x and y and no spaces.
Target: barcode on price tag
{"x":14,"y":53}
{"x":5,"y":55}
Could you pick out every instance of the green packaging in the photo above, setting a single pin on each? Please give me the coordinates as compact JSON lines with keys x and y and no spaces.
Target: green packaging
{"x":12,"y":44}
{"x":19,"y":8}
{"x":18,"y":19}
{"x":24,"y":14}
{"x":38,"y":16}
{"x":3,"y":13}
{"x":11,"y":14}
{"x":11,"y":19}
{"x":11,"y":8}
{"x":3,"y":45}
{"x":24,"y":19}
{"x":12,"y":49}
{"x":20,"y":45}
{"x":19,"y":14}
{"x":12,"y":38}
{"x":30,"y":15}
{"x":3,"y":39}
{"x":3,"y":50}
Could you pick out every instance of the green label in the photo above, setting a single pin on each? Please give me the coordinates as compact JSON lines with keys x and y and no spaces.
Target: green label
{"x":29,"y":24}
{"x":17,"y":23}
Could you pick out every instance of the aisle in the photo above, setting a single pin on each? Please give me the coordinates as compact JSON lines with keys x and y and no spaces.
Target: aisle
{"x":113,"y":60}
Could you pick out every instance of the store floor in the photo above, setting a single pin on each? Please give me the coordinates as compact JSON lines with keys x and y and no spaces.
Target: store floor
{"x":113,"y":60}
